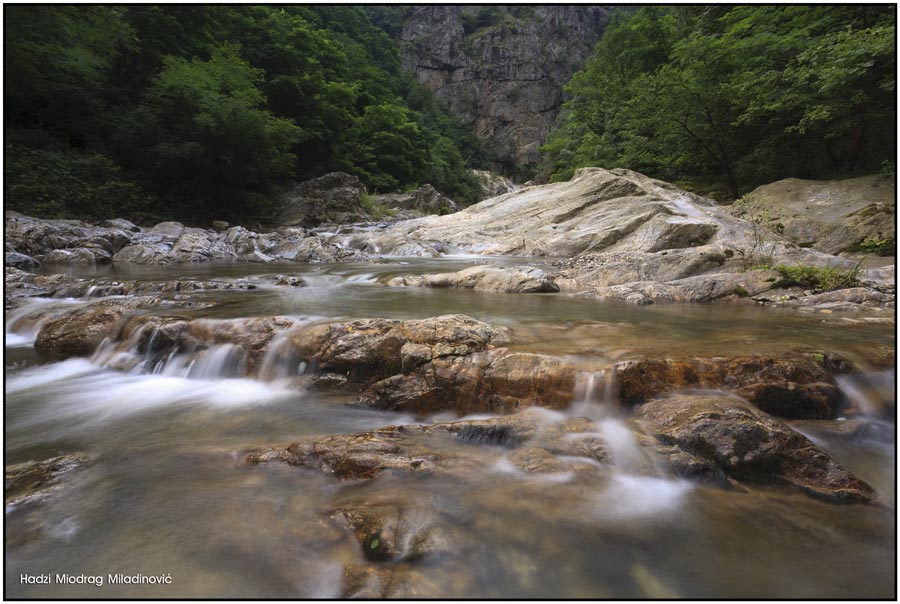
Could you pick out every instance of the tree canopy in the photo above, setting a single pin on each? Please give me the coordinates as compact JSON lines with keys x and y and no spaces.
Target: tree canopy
{"x":192,"y":111}
{"x":728,"y":97}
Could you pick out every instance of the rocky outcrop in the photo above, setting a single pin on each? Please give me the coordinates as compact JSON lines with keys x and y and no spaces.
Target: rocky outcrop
{"x":335,"y":197}
{"x":493,"y":184}
{"x":830,"y":216}
{"x":502,"y":69}
{"x":704,"y":436}
{"x":425,"y":200}
{"x":748,"y":445}
{"x":80,"y":331}
{"x":621,"y":236}
{"x":168,"y":243}
{"x":793,"y":386}
{"x":522,"y":280}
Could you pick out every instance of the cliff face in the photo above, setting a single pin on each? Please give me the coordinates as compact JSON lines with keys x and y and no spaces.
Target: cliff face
{"x":502,"y":69}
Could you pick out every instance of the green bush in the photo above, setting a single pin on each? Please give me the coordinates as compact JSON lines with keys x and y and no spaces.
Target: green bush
{"x":62,"y":183}
{"x":879,"y":247}
{"x":816,"y":277}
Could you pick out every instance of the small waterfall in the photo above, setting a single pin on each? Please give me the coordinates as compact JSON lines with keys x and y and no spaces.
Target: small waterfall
{"x":23,"y":331}
{"x":595,"y":394}
{"x":281,"y":360}
{"x":219,"y":361}
{"x":871,"y":394}
{"x":595,"y":399}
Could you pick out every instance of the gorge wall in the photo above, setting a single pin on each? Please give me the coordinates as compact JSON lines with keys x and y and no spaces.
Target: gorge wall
{"x":502,"y":69}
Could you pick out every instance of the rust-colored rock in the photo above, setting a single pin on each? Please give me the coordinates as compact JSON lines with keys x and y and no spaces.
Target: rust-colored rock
{"x":797,"y":386}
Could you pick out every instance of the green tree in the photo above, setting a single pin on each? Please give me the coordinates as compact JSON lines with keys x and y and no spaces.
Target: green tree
{"x":212,"y":140}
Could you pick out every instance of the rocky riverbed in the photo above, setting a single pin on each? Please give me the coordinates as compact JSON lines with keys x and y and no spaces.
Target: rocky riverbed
{"x":466,"y":405}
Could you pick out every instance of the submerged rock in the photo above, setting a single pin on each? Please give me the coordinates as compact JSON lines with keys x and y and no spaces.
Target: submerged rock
{"x":749,"y":445}
{"x":521,"y":280}
{"x":33,"y":480}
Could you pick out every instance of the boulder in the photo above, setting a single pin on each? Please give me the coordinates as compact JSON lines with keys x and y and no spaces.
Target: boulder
{"x":493,"y":184}
{"x":121,"y":224}
{"x":173,"y":230}
{"x":334,"y":197}
{"x":22,"y":261}
{"x":426,"y":199}
{"x":831,"y":216}
{"x":78,"y":255}
{"x":749,"y":445}
{"x":522,"y":280}
{"x":78,"y":332}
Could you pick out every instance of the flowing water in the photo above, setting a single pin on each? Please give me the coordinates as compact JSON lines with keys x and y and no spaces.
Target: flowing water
{"x":164,"y":492}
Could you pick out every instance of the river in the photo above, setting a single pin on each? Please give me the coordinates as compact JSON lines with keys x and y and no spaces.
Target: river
{"x":165,"y":492}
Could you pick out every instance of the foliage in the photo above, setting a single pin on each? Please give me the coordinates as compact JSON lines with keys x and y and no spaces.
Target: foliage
{"x":740,"y":94}
{"x":207,"y":109}
{"x":760,"y":252}
{"x":880,"y":247}
{"x":815,"y":277}
{"x":57,"y":181}
{"x":373,"y":208}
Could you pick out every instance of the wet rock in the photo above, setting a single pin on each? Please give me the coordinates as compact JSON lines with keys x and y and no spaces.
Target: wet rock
{"x":699,"y":288}
{"x":485,"y":278}
{"x":33,"y":479}
{"x":843,"y":299}
{"x":817,"y":400}
{"x":17,"y":260}
{"x":373,"y":349}
{"x":749,"y":445}
{"x":448,"y":449}
{"x":496,"y":381}
{"x":798,"y":386}
{"x":289,"y":280}
{"x":78,"y":332}
{"x":396,"y":531}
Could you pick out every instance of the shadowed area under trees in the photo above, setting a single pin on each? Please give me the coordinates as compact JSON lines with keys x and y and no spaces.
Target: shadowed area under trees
{"x":199,"y":112}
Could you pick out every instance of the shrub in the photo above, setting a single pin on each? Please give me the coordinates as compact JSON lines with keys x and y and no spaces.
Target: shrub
{"x":816,"y":277}
{"x":879,"y":247}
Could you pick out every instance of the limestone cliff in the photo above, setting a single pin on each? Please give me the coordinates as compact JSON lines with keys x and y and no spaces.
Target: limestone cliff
{"x":502,"y":69}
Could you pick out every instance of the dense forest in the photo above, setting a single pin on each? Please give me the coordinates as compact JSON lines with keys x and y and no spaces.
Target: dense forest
{"x":200,"y":111}
{"x":724,"y":98}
